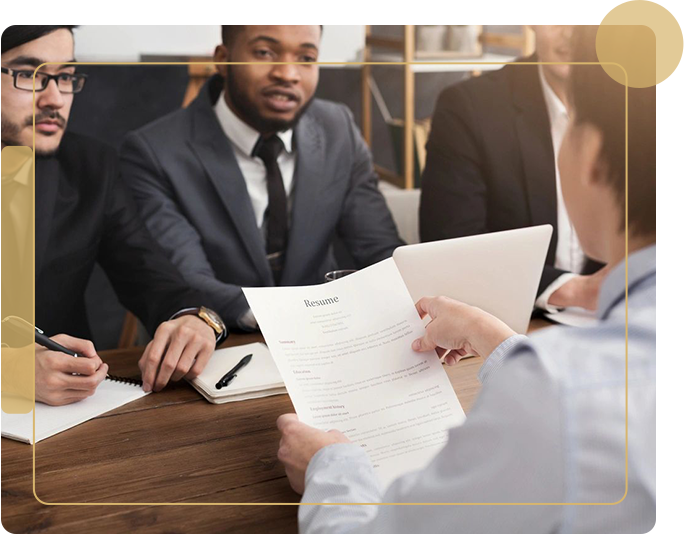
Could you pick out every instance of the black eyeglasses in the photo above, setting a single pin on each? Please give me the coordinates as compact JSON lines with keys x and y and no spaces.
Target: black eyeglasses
{"x":66,"y":83}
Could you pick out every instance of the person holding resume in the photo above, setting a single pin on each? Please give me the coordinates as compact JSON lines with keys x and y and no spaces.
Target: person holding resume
{"x":550,"y":423}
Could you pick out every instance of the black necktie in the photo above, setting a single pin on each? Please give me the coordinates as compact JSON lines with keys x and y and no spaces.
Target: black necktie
{"x":268,"y":149}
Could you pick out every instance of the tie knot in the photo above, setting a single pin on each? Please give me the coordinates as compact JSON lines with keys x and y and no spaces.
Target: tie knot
{"x":268,"y":149}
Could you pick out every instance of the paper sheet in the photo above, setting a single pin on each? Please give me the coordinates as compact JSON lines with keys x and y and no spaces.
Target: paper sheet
{"x":344,"y":352}
{"x":51,"y":420}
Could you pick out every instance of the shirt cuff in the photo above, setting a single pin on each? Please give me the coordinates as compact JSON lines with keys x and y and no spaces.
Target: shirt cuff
{"x":498,"y":356}
{"x":247,"y":321}
{"x":341,"y":472}
{"x":542,"y":301}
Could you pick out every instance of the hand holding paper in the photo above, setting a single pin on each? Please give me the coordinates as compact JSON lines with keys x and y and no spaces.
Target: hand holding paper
{"x":459,"y":328}
{"x":298,"y":444}
{"x":344,"y":352}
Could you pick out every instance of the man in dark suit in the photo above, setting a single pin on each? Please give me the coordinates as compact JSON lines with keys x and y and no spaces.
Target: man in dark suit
{"x":491,"y":165}
{"x":85,"y":214}
{"x":250,"y":183}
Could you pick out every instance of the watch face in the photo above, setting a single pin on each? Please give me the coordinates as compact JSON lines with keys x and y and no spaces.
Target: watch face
{"x":214,"y":318}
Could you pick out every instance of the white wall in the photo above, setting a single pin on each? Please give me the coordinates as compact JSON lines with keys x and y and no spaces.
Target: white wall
{"x":127,"y":43}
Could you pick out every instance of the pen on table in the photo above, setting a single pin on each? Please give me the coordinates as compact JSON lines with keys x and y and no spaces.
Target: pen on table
{"x":50,"y":344}
{"x":228,"y":377}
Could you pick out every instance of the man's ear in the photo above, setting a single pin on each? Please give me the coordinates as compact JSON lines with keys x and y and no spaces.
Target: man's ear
{"x":599,"y":171}
{"x":221,"y":56}
{"x":595,"y":165}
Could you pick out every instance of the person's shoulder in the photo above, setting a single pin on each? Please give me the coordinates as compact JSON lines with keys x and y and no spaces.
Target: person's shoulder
{"x":581,"y":356}
{"x":77,"y":148}
{"x":166,"y":127}
{"x":328,"y":112}
{"x":73,"y":141}
{"x":486,"y":90}
{"x":492,"y":80}
{"x":331,"y":120}
{"x":90,"y":165}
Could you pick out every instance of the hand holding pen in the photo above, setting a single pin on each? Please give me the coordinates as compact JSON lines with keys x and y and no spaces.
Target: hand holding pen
{"x":67,"y":368}
{"x":62,"y":378}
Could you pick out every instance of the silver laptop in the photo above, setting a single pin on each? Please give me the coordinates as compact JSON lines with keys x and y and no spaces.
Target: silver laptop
{"x":498,"y":272}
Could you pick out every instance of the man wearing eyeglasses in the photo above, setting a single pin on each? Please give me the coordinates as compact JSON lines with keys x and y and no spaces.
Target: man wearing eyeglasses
{"x":83,"y":215}
{"x":53,"y":102}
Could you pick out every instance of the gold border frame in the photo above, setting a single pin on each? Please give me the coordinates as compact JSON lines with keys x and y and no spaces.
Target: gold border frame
{"x":363,"y":63}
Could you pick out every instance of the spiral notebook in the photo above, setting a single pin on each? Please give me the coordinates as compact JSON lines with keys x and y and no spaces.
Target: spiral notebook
{"x":112,"y":393}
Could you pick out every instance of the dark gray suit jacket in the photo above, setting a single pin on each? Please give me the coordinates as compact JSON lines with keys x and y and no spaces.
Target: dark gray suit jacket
{"x":185,"y":177}
{"x":490,"y":163}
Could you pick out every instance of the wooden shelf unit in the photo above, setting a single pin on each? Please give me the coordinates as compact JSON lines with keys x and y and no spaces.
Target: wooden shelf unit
{"x":406,"y":47}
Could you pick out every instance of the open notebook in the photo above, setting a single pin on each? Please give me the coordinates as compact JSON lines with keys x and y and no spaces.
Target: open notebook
{"x":50,"y":420}
{"x":260,"y":378}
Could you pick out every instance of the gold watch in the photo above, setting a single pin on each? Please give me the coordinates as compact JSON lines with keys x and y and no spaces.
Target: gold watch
{"x":210,"y":317}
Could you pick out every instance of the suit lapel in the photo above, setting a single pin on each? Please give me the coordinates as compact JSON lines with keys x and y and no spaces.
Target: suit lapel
{"x":216,"y":155}
{"x":536,"y":147}
{"x":47,"y":177}
{"x":310,"y":146}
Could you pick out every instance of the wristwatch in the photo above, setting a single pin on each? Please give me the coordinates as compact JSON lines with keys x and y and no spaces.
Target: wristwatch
{"x":210,"y":317}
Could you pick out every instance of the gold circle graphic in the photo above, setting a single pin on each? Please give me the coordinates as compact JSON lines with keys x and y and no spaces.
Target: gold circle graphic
{"x":628,"y":47}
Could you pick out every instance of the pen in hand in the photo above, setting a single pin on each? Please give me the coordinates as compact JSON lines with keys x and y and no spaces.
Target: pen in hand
{"x":61,"y":376}
{"x":20,"y":327}
{"x":51,"y":344}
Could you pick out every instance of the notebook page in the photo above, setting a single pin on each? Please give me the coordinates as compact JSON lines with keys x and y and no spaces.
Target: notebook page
{"x":51,"y":420}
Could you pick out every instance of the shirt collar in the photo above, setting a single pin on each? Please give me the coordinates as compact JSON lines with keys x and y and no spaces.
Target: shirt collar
{"x":241,"y":134}
{"x":553,"y":103}
{"x":21,"y":176}
{"x":639,"y":266}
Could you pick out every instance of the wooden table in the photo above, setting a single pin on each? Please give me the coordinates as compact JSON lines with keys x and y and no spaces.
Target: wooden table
{"x":169,"y":447}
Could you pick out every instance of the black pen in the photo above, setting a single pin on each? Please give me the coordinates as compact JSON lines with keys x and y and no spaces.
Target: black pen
{"x":48,"y":343}
{"x":228,"y":377}
{"x":23,"y":328}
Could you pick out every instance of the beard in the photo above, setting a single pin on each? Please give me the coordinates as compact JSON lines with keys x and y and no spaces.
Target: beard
{"x":11,"y":131}
{"x":248,"y":112}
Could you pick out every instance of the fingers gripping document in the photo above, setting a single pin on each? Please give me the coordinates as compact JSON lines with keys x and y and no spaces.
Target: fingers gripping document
{"x":344,"y":352}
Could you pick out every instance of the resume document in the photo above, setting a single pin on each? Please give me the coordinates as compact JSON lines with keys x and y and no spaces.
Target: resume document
{"x":344,"y":352}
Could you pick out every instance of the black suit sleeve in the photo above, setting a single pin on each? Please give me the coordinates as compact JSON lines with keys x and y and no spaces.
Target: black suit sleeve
{"x":366,"y":225}
{"x":145,"y":280}
{"x":454,"y":182}
{"x":179,"y":239}
{"x":454,"y":188}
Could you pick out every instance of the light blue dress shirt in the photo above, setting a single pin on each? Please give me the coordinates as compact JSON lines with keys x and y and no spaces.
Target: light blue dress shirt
{"x":548,"y":427}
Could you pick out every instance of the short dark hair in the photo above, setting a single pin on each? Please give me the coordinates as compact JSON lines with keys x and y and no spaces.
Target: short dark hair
{"x":228,"y":34}
{"x":17,"y":35}
{"x":599,"y":100}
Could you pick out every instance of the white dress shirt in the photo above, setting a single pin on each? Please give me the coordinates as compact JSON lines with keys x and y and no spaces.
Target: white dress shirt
{"x":569,"y":254}
{"x":548,"y":427}
{"x":243,"y":138}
